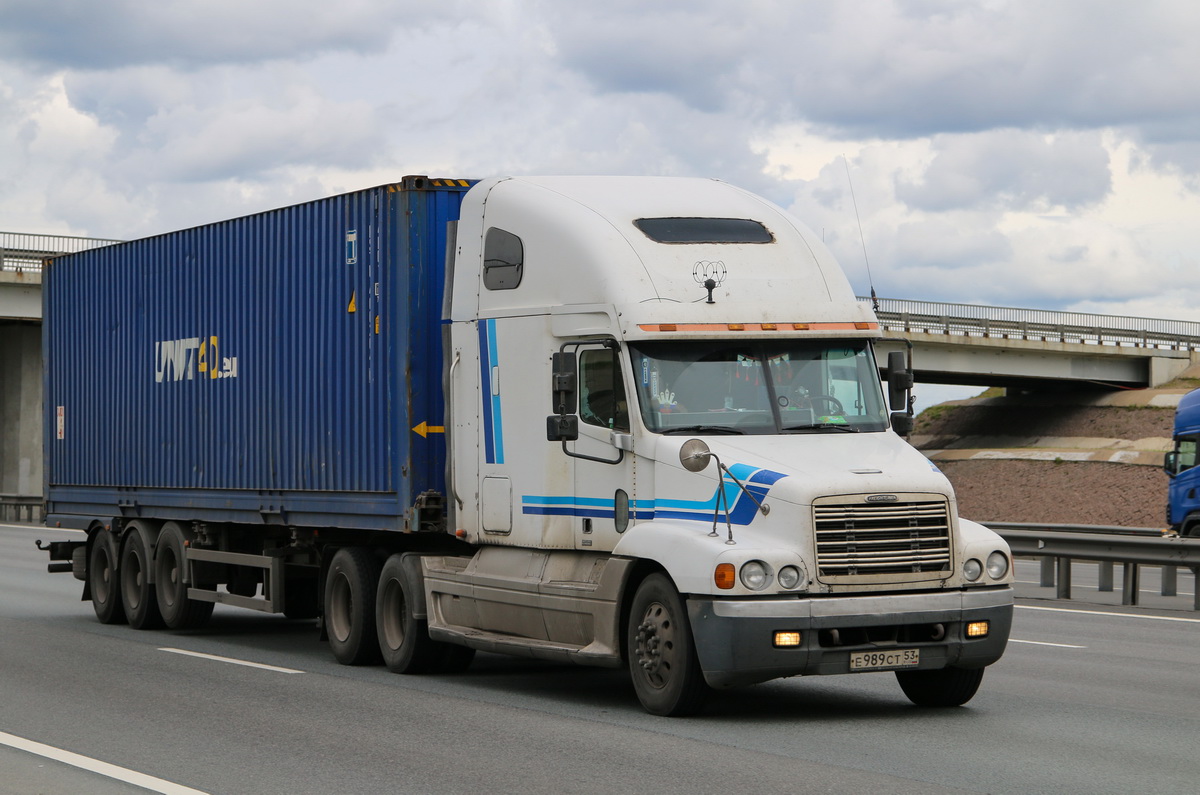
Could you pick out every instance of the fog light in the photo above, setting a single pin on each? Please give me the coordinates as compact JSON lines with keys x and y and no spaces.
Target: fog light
{"x":724,"y":576}
{"x":977,"y":629}
{"x":785,"y":640}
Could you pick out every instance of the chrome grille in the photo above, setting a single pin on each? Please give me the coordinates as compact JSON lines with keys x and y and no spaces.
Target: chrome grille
{"x":863,"y":539}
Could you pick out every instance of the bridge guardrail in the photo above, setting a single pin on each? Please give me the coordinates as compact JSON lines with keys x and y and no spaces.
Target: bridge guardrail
{"x":1039,"y":325}
{"x":1058,"y":544}
{"x":14,"y":506}
{"x":24,"y":251}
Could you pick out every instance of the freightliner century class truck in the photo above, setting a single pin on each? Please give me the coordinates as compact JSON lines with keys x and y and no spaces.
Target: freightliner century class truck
{"x":625,"y":422}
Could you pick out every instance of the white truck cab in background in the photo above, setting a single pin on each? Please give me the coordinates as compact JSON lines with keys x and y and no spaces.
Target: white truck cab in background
{"x":669,"y":444}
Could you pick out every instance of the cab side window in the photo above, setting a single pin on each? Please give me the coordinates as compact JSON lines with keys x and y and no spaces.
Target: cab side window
{"x":1186,"y":449}
{"x":503,"y":260}
{"x":602,"y":399}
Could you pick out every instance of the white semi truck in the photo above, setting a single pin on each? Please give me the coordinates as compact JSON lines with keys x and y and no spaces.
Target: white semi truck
{"x":615,"y":421}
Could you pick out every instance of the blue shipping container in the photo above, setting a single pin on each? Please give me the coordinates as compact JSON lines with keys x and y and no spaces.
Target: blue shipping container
{"x":266,"y":369}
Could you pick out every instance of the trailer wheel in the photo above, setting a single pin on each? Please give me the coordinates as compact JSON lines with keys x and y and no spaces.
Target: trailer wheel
{"x":662,"y":653}
{"x":350,"y":606}
{"x":178,"y":611}
{"x":403,"y":638}
{"x":945,"y":687}
{"x":102,"y":579}
{"x":137,"y":592}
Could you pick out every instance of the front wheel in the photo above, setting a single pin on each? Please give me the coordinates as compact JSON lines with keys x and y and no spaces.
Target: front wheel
{"x":945,"y":687}
{"x":662,"y":653}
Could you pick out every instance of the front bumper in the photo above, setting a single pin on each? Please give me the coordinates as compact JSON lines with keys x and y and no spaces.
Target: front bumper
{"x":735,"y":637}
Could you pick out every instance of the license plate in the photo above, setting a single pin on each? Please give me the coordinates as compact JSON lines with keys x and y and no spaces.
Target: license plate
{"x":884,"y":660}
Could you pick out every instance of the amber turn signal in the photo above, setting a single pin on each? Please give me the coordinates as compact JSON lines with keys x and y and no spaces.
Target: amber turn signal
{"x":724,"y":576}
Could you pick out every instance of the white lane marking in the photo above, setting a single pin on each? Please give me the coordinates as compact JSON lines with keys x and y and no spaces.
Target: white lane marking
{"x":96,"y":766}
{"x":1105,"y":613}
{"x":1043,"y":643}
{"x":233,"y":661}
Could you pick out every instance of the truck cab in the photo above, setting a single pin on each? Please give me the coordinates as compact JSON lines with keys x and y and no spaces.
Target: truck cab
{"x":1183,"y":503}
{"x":668,"y":436}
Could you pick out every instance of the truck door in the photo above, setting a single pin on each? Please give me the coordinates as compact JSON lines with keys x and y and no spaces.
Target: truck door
{"x":605,"y":465}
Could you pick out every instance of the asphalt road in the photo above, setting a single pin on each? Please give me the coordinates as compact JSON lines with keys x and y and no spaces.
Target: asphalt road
{"x":1089,"y":698}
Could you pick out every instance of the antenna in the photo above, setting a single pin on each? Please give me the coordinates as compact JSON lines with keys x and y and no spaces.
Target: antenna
{"x":870,"y":280}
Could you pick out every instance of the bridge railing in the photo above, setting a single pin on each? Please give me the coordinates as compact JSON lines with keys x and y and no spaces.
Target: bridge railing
{"x":21,"y":251}
{"x":1040,"y":325}
{"x":1059,"y":544}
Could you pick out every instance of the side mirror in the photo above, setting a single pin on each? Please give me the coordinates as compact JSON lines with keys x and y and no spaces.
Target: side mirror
{"x":902,"y":422}
{"x":563,"y":426}
{"x":1171,"y":463}
{"x":566,"y":376}
{"x":900,"y":381}
{"x":694,"y":455}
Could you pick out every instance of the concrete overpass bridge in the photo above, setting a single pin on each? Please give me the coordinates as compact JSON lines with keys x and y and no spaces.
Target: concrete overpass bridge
{"x":1036,"y":349}
{"x":21,"y":258}
{"x":969,"y":344}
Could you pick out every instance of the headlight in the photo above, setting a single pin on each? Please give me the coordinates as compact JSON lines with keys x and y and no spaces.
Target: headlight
{"x":789,"y":577}
{"x":972,"y":569}
{"x":997,"y":565}
{"x":755,"y":575}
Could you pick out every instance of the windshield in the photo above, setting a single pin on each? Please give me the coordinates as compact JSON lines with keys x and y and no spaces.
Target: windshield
{"x":758,"y":386}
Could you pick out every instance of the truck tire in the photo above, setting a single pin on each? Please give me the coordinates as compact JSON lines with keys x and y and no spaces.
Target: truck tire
{"x":350,"y":606}
{"x":102,"y":579}
{"x":662,"y":653}
{"x":177,"y":610}
{"x":137,"y":592}
{"x":945,"y":687}
{"x":403,"y":638}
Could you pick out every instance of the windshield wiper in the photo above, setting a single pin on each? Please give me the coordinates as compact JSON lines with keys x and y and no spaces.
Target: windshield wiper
{"x":703,"y":429}
{"x":822,"y":426}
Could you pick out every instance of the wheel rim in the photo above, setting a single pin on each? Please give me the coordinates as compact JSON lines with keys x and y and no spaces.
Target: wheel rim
{"x":133,"y":578}
{"x":340,"y":601}
{"x":656,"y":648}
{"x":392,"y":618}
{"x":102,"y":583}
{"x":168,"y":574}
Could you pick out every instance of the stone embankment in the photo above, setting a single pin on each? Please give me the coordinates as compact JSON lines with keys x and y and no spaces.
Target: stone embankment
{"x":1080,"y":458}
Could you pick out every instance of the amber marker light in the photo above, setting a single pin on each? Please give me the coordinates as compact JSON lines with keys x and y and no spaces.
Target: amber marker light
{"x":862,"y":325}
{"x":977,"y":629}
{"x":800,"y":327}
{"x":724,"y":576}
{"x":769,"y":327}
{"x":787,"y":639}
{"x":666,"y":326}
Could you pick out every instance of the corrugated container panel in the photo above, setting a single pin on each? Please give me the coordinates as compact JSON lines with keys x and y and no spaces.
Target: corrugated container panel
{"x":273,"y":362}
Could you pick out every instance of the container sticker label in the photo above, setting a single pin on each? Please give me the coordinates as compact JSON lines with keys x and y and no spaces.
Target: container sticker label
{"x":60,"y":424}
{"x":192,"y":358}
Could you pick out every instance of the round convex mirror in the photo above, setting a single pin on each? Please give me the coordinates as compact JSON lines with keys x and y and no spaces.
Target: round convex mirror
{"x":694,"y":455}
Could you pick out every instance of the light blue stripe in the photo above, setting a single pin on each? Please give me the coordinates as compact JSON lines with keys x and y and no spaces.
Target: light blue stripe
{"x":497,"y":417}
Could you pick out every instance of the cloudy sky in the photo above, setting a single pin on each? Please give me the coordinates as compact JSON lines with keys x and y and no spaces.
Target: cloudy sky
{"x":1014,"y":153}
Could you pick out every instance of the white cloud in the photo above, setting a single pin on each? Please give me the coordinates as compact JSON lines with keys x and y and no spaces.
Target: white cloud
{"x":1044,"y":155}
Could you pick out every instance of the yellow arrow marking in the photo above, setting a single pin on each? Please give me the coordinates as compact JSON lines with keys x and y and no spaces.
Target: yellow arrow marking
{"x":424,"y":429}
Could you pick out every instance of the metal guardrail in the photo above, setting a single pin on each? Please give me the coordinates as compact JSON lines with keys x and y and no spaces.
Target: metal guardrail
{"x":21,"y":251}
{"x":14,"y":506}
{"x":1058,"y":544}
{"x":1036,"y":325}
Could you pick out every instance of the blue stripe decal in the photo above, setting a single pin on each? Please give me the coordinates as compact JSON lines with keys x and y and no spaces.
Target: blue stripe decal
{"x":742,"y":509}
{"x":493,"y":425}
